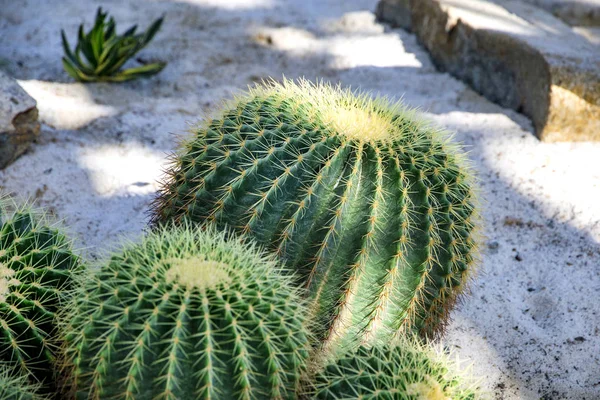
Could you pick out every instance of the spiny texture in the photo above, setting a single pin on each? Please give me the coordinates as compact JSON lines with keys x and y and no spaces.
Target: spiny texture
{"x":372,"y":207}
{"x":17,"y":387}
{"x":404,"y":371}
{"x":188,"y":314}
{"x":38,"y":273}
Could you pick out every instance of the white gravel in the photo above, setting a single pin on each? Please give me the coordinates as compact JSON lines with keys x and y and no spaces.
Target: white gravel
{"x":531,"y":327}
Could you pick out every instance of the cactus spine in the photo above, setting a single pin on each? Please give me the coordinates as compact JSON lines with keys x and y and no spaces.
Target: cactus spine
{"x":38,"y":272}
{"x":187,"y":314}
{"x":17,"y":387}
{"x":405,"y":370}
{"x":371,"y":206}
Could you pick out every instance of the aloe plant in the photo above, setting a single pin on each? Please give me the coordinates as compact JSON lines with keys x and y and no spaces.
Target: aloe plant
{"x":104,"y":52}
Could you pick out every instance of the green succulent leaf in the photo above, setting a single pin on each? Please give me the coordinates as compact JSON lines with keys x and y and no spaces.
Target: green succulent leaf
{"x":145,"y":70}
{"x":105,"y":52}
{"x":84,"y":45}
{"x":71,"y":69}
{"x":153,"y":29}
{"x":110,"y":29}
{"x":130,"y":31}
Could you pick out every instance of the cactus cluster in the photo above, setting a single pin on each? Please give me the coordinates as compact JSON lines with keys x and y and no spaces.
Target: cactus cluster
{"x":305,"y":242}
{"x":373,"y":208}
{"x":405,"y":370}
{"x":38,"y":272}
{"x":188,"y":314}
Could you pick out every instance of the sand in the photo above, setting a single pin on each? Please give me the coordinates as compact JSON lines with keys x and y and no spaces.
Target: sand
{"x":531,"y":326}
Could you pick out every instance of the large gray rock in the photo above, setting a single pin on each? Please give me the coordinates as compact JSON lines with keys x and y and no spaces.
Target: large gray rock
{"x":517,"y":55}
{"x":591,"y":34}
{"x":19,"y":124}
{"x":573,"y":12}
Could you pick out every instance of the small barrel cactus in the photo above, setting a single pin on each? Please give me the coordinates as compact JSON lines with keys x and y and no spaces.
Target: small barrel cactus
{"x":187,"y":314}
{"x":405,"y":370}
{"x":38,"y":273}
{"x":373,"y":208}
{"x":17,"y":387}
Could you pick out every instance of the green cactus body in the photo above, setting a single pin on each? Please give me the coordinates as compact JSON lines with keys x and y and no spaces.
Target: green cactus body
{"x":404,"y":371}
{"x":188,"y":314}
{"x":17,"y":387}
{"x":38,"y":272}
{"x":372,"y":207}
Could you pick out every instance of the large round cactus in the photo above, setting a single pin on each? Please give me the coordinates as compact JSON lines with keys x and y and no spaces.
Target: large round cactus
{"x":17,"y":387}
{"x":187,"y":314}
{"x":404,"y":371}
{"x":38,"y":273}
{"x":371,"y":206}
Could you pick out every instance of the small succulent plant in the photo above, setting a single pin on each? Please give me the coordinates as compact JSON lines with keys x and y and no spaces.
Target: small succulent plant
{"x":105,"y":52}
{"x":405,"y":370}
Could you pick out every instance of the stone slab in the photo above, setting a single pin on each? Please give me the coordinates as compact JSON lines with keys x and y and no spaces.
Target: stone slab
{"x":19,"y":124}
{"x":518,"y":56}
{"x":591,"y":34}
{"x":573,"y":12}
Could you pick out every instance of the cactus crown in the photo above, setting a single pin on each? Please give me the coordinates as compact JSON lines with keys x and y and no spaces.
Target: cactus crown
{"x":38,"y":274}
{"x":354,"y":116}
{"x":199,"y":273}
{"x":404,"y":370}
{"x":188,"y":313}
{"x":370,"y":205}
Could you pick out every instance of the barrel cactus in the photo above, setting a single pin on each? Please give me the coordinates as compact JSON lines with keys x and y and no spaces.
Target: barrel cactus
{"x":405,"y":370}
{"x":372,"y":207}
{"x":17,"y":387}
{"x":38,"y":273}
{"x":187,"y":314}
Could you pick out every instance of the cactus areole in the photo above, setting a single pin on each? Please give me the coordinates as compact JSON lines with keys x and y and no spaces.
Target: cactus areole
{"x":373,"y":207}
{"x":187,"y":314}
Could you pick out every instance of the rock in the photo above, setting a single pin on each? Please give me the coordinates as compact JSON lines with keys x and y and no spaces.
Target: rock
{"x":394,"y":12}
{"x":19,"y":124}
{"x":573,"y":12}
{"x":518,"y":56}
{"x":591,"y":34}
